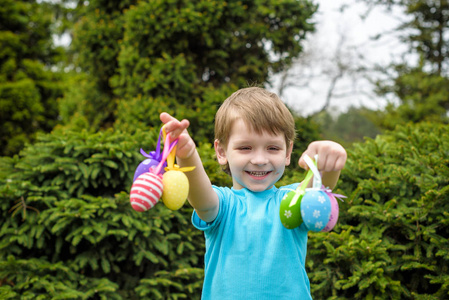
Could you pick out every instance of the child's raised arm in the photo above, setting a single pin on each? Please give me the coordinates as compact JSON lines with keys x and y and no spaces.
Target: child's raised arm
{"x":201,"y":194}
{"x":331,"y":160}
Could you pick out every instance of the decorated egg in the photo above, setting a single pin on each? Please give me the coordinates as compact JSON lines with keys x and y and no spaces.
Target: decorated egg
{"x":315,"y":209}
{"x":291,"y":215}
{"x":146,"y":191}
{"x":334,"y":214}
{"x":176,"y":189}
{"x":145,"y":167}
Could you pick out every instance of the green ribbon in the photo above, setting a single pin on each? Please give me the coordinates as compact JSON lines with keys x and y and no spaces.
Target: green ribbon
{"x":313,"y":170}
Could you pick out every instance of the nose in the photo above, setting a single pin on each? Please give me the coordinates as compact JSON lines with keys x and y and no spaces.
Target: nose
{"x":259,"y":158}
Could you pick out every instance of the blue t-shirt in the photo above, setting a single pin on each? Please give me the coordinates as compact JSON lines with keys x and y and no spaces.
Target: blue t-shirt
{"x":249,"y":254}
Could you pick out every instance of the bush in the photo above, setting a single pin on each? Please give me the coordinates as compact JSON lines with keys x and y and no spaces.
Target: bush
{"x":68,"y":230}
{"x":391,"y":239}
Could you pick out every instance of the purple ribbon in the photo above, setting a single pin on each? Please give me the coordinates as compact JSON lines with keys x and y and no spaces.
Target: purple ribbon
{"x":157,"y":155}
{"x":338,"y":196}
{"x":168,"y":147}
{"x":329,"y":193}
{"x":153,"y":155}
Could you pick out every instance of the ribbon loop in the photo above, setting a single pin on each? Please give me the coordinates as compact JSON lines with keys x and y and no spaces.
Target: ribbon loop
{"x":156,"y":155}
{"x":313,"y":166}
{"x":169,"y":155}
{"x":152,"y":154}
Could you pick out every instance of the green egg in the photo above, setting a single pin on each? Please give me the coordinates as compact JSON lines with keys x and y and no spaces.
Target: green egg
{"x":291,"y":215}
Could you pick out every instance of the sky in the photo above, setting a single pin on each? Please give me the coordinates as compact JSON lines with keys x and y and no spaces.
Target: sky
{"x":345,"y":34}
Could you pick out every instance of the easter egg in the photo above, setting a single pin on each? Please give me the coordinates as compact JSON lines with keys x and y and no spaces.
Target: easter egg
{"x":315,"y":209}
{"x":291,"y":215}
{"x":145,"y":166}
{"x":146,"y":191}
{"x":334,"y":214}
{"x":176,"y":189}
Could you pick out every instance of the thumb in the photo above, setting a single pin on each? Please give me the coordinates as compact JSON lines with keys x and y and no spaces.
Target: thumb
{"x":302,"y":163}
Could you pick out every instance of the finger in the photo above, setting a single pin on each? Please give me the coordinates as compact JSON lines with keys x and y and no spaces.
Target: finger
{"x":324,"y":163}
{"x":176,"y":128}
{"x":165,"y":117}
{"x":335,"y":161}
{"x":173,"y":126}
{"x":185,"y":148}
{"x":302,"y":162}
{"x":340,"y":163}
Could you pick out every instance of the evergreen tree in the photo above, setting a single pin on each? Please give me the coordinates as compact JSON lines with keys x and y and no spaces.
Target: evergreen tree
{"x":184,"y":57}
{"x":424,"y":97}
{"x":347,"y":127}
{"x":422,"y":88}
{"x":29,"y":88}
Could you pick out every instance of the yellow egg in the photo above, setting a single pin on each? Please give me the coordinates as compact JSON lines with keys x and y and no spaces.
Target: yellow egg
{"x":176,"y":189}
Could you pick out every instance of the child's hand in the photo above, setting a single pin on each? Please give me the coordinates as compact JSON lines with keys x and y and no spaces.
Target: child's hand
{"x":331,"y":156}
{"x":202,"y":196}
{"x":186,"y":146}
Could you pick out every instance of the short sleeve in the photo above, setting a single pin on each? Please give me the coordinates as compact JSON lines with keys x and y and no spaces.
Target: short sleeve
{"x":205,"y":226}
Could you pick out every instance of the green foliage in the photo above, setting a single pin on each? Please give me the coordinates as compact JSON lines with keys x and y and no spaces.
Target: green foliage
{"x":84,"y":106}
{"x":28,"y":88}
{"x":97,"y":30}
{"x":167,"y":48}
{"x":425,"y":30}
{"x":213,"y":169}
{"x":424,"y":97}
{"x":348,"y":127}
{"x":184,"y":57}
{"x":68,"y":230}
{"x":420,"y":86}
{"x":140,"y":111}
{"x":391,"y":239}
{"x":95,"y":39}
{"x":188,"y":58}
{"x":430,"y":22}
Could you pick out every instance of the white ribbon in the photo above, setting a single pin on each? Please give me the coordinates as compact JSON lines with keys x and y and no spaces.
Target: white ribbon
{"x":316,"y":174}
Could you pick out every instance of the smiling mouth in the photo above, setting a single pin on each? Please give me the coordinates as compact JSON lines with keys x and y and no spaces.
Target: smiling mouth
{"x":258,"y":173}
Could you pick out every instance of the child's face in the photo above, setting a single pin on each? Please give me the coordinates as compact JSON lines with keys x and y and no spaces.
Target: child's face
{"x":256,"y":161}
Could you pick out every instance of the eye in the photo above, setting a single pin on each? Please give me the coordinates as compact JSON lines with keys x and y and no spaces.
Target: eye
{"x":274,"y":148}
{"x":244,"y":148}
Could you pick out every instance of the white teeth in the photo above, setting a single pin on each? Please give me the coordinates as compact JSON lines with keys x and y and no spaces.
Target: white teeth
{"x":258,"y":173}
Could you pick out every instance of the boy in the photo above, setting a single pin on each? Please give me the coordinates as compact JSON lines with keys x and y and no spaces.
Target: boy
{"x":249,"y":254}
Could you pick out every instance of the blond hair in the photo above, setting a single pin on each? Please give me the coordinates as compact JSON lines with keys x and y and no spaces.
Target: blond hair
{"x":261,"y":110}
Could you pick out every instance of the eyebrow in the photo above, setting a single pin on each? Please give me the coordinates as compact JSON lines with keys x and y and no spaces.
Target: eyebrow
{"x":271,"y":141}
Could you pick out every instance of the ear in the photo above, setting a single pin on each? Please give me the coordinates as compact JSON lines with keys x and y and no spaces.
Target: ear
{"x":289,"y":154}
{"x":220,"y":151}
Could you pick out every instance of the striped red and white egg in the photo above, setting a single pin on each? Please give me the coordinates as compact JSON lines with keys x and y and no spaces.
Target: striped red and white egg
{"x":146,"y":191}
